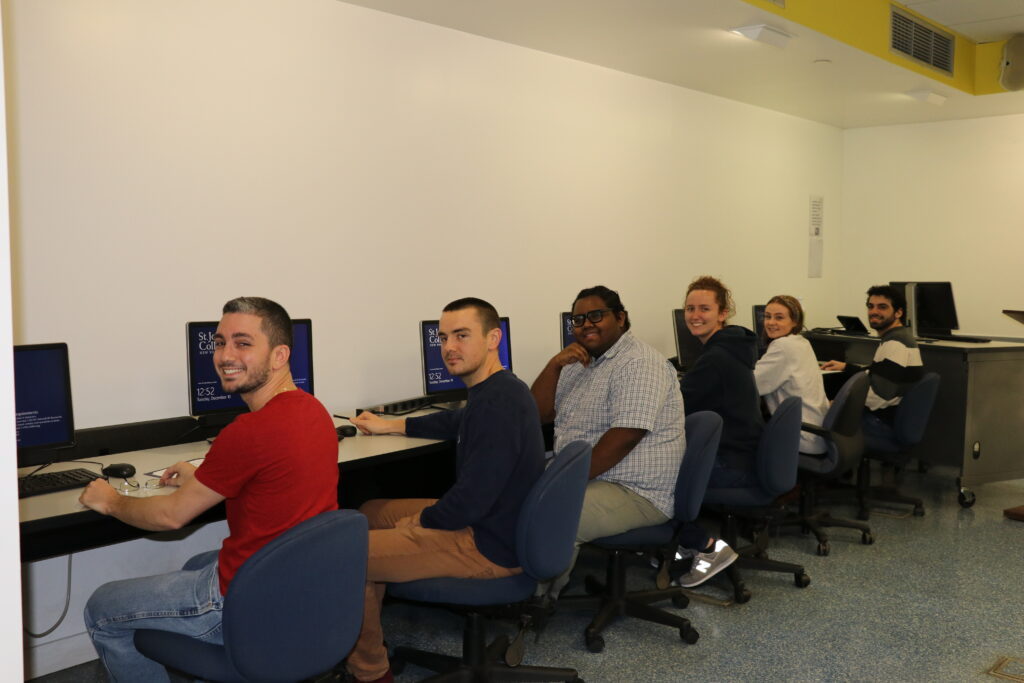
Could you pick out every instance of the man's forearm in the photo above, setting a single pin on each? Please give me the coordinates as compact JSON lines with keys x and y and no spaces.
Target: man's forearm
{"x":612,"y":447}
{"x":543,"y":390}
{"x":151,"y":514}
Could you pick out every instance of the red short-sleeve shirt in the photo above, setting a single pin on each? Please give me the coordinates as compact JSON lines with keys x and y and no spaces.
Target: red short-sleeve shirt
{"x":276,"y":467}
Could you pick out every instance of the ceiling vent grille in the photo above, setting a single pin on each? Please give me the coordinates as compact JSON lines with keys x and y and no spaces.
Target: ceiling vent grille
{"x":921,"y":42}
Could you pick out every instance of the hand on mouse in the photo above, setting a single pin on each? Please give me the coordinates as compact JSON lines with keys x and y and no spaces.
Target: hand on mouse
{"x":368,"y":423}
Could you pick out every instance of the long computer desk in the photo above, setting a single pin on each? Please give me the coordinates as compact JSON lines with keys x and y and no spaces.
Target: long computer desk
{"x":56,"y":524}
{"x":977,"y":423}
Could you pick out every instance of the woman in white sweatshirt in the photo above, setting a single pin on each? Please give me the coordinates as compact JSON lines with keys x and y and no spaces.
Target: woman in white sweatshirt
{"x":789,"y":368}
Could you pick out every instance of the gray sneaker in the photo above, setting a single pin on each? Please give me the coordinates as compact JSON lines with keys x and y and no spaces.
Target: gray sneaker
{"x":706,"y":565}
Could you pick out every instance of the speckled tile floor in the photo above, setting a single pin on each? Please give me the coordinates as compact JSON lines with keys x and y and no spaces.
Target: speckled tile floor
{"x":936,"y":598}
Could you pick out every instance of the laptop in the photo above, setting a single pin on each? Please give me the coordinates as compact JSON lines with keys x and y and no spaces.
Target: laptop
{"x":852,"y":324}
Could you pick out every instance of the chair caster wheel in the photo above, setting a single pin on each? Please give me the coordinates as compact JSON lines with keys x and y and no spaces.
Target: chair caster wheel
{"x":824,"y":548}
{"x":867,"y":539}
{"x":680,"y":601}
{"x":595,"y":643}
{"x":741,"y":595}
{"x":801,"y":580}
{"x":689,"y":635}
{"x":919,"y":511}
{"x":966,"y":498}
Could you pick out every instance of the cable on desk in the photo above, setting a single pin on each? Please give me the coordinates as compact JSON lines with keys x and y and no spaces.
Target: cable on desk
{"x":60,"y":619}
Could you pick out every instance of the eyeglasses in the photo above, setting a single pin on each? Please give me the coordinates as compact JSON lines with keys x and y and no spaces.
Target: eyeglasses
{"x":592,"y":316}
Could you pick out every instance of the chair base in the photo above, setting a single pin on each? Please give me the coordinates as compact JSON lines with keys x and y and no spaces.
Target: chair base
{"x":868,"y":494}
{"x":814,"y":520}
{"x":755,"y":556}
{"x":613,"y":601}
{"x":479,"y":661}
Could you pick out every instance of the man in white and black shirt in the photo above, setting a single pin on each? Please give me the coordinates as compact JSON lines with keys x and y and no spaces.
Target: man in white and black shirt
{"x":897,"y":362}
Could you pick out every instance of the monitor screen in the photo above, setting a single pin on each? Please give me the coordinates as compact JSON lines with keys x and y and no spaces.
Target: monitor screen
{"x":762,"y":338}
{"x":566,"y":335}
{"x":44,"y":418}
{"x":205,"y":395}
{"x":688,"y":347}
{"x":934,"y":309}
{"x":436,"y":379}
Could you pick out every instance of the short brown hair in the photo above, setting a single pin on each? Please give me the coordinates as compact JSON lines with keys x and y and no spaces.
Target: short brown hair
{"x":487,"y":313}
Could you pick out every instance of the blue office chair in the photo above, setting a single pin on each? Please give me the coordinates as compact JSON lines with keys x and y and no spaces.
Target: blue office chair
{"x":775,"y":465}
{"x":545,"y":535}
{"x":294,"y":609}
{"x":894,"y":446}
{"x":703,"y":431}
{"x":844,"y":442}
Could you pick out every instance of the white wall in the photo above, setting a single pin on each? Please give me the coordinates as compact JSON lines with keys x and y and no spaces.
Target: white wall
{"x":363,"y":170}
{"x":938,"y":201}
{"x":10,"y":599}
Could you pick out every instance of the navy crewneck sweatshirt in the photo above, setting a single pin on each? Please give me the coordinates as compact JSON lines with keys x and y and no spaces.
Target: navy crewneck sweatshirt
{"x":499,"y":455}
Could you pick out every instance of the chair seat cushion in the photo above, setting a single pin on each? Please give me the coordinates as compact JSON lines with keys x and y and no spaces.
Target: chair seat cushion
{"x":209,"y":661}
{"x":656,"y":535}
{"x":466,"y":591}
{"x":742,"y":497}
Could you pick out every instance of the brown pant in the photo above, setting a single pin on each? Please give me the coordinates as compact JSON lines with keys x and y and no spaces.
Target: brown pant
{"x":402,"y":550}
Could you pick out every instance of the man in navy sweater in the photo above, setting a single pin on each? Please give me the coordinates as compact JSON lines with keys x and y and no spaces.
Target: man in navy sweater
{"x":470,"y":532}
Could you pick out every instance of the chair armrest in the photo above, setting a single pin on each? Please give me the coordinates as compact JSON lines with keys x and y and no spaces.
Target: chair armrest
{"x":813,"y":429}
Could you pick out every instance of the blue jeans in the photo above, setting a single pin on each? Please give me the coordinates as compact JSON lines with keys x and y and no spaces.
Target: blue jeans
{"x":186,"y":601}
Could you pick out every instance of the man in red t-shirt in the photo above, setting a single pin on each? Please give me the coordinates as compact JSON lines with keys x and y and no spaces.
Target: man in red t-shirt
{"x":274,"y":466}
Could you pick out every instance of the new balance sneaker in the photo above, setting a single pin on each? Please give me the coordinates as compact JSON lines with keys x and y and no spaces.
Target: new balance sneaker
{"x":706,"y":565}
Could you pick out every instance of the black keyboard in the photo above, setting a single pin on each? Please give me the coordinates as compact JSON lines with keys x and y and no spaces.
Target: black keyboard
{"x":51,"y":482}
{"x":409,"y":405}
{"x":955,"y":337}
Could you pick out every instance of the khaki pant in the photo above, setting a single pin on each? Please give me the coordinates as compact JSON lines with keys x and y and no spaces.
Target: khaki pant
{"x":402,"y":550}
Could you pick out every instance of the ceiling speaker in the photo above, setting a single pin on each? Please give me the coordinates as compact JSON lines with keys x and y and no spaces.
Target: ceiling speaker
{"x":1012,"y":75}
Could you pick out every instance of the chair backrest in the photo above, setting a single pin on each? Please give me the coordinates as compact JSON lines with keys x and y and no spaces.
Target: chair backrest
{"x":845,"y":440}
{"x":295,"y":607}
{"x":550,"y":515}
{"x":703,"y":432}
{"x":914,"y":409}
{"x":779,"y":448}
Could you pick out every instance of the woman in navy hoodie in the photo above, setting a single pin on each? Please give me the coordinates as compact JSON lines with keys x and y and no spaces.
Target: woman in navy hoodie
{"x":722,"y":380}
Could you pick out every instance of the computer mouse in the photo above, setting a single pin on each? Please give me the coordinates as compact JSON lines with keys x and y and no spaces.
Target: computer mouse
{"x":345,"y":430}
{"x":119,"y":470}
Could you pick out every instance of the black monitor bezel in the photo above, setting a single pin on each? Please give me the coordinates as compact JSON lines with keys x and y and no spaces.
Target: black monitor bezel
{"x":680,"y":329}
{"x":41,"y":454}
{"x":759,"y":332}
{"x":461,"y":393}
{"x":234,"y":410}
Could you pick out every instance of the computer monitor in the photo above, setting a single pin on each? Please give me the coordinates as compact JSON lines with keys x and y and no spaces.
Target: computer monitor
{"x":44,"y":418}
{"x":688,"y":347}
{"x":934,"y":308}
{"x":762,"y":338}
{"x":437,"y":381}
{"x":205,"y":395}
{"x":566,"y":336}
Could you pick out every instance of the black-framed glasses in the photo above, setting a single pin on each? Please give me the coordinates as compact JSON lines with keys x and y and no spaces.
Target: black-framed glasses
{"x":593,"y":316}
